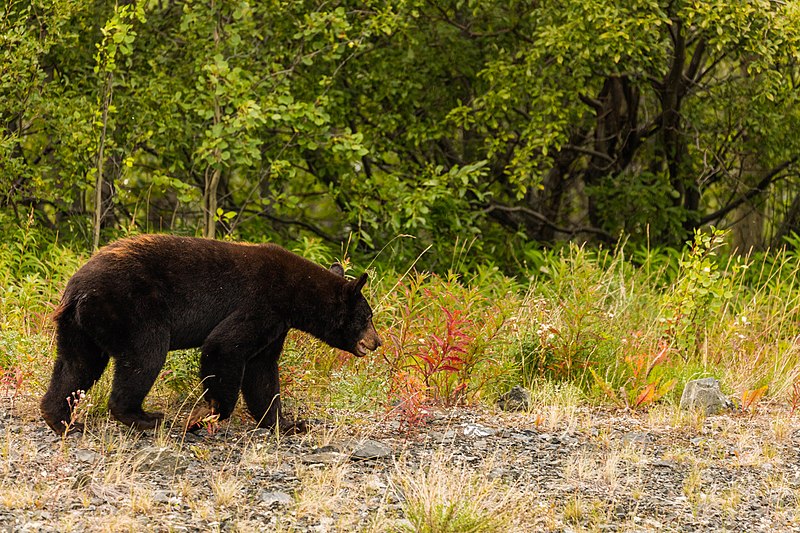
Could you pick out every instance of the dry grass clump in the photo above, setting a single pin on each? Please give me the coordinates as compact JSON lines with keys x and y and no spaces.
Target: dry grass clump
{"x":444,"y":496}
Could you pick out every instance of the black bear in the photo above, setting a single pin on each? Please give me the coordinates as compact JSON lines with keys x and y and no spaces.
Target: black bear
{"x":138,"y":298}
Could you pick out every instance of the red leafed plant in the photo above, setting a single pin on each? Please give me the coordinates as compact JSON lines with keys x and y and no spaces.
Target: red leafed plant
{"x":433,"y":372}
{"x":440,"y":359}
{"x":11,"y":382}
{"x":645,"y":383}
{"x":751,"y":397}
{"x":647,"y":387}
{"x":437,"y":352}
{"x":794,"y":396}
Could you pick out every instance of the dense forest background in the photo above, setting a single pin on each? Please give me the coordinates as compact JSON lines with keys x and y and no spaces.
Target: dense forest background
{"x":495,"y":126}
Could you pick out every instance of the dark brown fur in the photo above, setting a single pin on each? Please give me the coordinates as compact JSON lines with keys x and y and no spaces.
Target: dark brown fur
{"x":139,"y":298}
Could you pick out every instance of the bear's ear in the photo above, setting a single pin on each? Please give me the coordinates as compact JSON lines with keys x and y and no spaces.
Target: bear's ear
{"x":337,"y":269}
{"x":359,"y":283}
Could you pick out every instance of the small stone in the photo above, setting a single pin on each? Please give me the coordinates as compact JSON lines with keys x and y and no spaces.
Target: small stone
{"x":637,"y":437}
{"x":403,"y":524}
{"x":276,"y":498}
{"x":191,"y":437}
{"x":447,"y":436}
{"x":161,"y":496}
{"x":547,"y":437}
{"x":329,"y":448}
{"x":476,"y":430}
{"x":704,"y":394}
{"x":517,"y":399}
{"x":375,"y":484}
{"x":86,"y":456}
{"x":327,"y":458}
{"x":370,"y":449}
{"x":664,"y":464}
{"x":163,"y":460}
{"x":496,"y":473}
{"x":325,"y":525}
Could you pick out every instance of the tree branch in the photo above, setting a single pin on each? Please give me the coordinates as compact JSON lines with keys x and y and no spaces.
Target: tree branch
{"x":771,"y":177}
{"x":544,"y":220}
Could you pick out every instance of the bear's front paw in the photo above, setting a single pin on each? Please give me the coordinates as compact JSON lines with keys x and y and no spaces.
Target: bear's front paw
{"x":293,"y":427}
{"x":200,"y":417}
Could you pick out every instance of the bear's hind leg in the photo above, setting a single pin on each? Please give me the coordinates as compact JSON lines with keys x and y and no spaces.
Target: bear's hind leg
{"x":134,"y":375}
{"x":79,"y":364}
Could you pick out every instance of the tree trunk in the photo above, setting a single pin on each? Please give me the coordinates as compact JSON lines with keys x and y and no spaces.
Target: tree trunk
{"x":210,"y":200}
{"x":213,"y":173}
{"x":99,"y":207}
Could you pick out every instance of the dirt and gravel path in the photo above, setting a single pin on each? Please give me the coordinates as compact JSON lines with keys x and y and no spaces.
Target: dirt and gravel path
{"x":554,"y":469}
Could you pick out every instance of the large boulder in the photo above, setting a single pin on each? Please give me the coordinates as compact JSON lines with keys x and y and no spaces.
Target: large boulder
{"x":704,"y":394}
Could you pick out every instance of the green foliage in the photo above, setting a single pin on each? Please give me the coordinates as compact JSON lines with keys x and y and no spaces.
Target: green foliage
{"x":574,"y":311}
{"x":180,"y":373}
{"x":32,"y":265}
{"x":353,"y":123}
{"x":699,"y":292}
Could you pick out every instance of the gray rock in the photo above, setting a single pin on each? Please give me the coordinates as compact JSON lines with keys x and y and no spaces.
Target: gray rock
{"x":403,"y":524}
{"x":336,"y":448}
{"x":162,"y":460}
{"x":327,"y":458}
{"x":477,"y":430}
{"x":161,"y":496}
{"x":370,"y":449}
{"x":86,"y":456}
{"x":547,"y":437}
{"x":704,"y":394}
{"x":517,"y":399}
{"x":279,"y":498}
{"x":637,"y":438}
{"x":664,"y":464}
{"x":447,"y":437}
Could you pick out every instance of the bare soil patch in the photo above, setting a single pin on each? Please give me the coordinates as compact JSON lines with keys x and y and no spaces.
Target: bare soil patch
{"x":553,"y":469}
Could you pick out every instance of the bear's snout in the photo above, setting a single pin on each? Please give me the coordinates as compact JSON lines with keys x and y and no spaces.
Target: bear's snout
{"x":369,"y":342}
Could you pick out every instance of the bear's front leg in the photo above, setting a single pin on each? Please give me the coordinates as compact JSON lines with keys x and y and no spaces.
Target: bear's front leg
{"x":223,"y":357}
{"x":261,"y":390}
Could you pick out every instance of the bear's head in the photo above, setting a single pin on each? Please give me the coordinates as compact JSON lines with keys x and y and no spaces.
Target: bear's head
{"x":356,"y":334}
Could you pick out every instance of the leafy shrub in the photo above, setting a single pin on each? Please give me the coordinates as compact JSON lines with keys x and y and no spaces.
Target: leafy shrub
{"x":699,"y":292}
{"x":445,"y":343}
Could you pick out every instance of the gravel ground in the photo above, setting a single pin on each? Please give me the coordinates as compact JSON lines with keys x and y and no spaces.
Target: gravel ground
{"x":555,"y":469}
